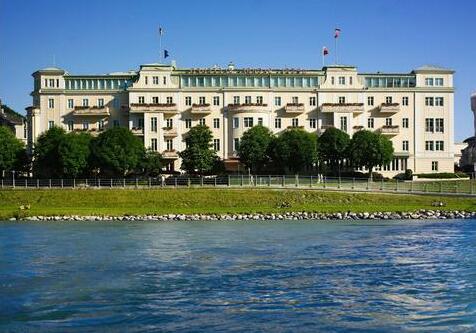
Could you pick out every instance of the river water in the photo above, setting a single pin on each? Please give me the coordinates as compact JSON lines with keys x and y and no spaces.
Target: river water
{"x":396,"y":276}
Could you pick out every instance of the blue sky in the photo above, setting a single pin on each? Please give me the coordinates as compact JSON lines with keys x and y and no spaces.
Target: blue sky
{"x":91,"y":36}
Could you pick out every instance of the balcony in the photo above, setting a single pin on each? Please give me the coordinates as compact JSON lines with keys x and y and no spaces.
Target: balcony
{"x":88,"y":111}
{"x":170,"y":132}
{"x":250,"y":107}
{"x":343,"y":107}
{"x":358,"y":128}
{"x":92,"y":131}
{"x":170,"y":154}
{"x":294,"y":108}
{"x":142,"y":108}
{"x":200,"y":109}
{"x":389,"y":130}
{"x":389,"y":107}
{"x":137,"y":131}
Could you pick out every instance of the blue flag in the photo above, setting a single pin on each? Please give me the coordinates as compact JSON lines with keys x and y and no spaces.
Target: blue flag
{"x":166,"y":54}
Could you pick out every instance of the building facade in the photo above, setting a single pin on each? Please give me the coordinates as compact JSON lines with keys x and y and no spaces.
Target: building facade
{"x":160,"y":103}
{"x":16,"y":122}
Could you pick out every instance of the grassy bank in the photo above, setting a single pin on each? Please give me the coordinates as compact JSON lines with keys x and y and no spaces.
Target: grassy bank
{"x":162,"y":201}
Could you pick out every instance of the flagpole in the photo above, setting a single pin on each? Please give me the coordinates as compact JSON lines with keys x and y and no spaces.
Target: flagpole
{"x":160,"y":45}
{"x":335,"y":47}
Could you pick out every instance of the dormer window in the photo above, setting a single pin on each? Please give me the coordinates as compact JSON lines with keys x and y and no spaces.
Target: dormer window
{"x":155,"y":80}
{"x":146,"y":80}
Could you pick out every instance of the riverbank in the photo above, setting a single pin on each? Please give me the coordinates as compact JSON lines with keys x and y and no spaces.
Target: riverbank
{"x":22,"y":204}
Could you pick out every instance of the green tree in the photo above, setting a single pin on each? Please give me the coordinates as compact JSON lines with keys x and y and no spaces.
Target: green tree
{"x":46,"y":160}
{"x":295,"y":149}
{"x":117,"y":152}
{"x":198,"y":157}
{"x":152,"y":163}
{"x":74,"y":152}
{"x":332,"y":147}
{"x":254,"y":147}
{"x":11,"y":151}
{"x":368,"y":149}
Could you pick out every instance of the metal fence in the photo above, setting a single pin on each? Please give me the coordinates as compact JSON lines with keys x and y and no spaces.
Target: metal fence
{"x":457,"y":186}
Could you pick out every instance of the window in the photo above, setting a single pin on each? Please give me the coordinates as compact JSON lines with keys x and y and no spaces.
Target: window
{"x":405,"y":145}
{"x":350,"y":80}
{"x":101,"y":102}
{"x":70,"y":125}
{"x":439,"y":125}
{"x":295,"y":122}
{"x":201,"y":100}
{"x":405,"y":101}
{"x":164,"y":80}
{"x":429,"y":145}
{"x":236,"y":144}
{"x":429,"y":101}
{"x":51,"y":103}
{"x":434,"y":165}
{"x":260,"y":121}
{"x":216,"y":144}
{"x":312,"y":101}
{"x":405,"y":122}
{"x":141,"y":122}
{"x":51,"y":124}
{"x":169,"y":122}
{"x":370,"y":100}
{"x":295,"y":100}
{"x":170,"y":144}
{"x":438,"y":101}
{"x":201,"y":122}
{"x":216,"y":122}
{"x":101,"y":124}
{"x":429,"y":81}
{"x":141,"y":100}
{"x":46,"y":82}
{"x":115,"y":123}
{"x":429,"y":125}
{"x":216,"y":100}
{"x":236,"y":99}
{"x":236,"y":122}
{"x":248,"y":122}
{"x":370,"y":123}
{"x":277,"y":122}
{"x":155,"y":80}
{"x":313,"y":123}
{"x":155,"y":100}
{"x":388,"y":121}
{"x":439,"y":81}
{"x":259,"y":100}
{"x":153,"y":144}
{"x":188,"y":123}
{"x":341,"y":80}
{"x":341,"y":100}
{"x":70,"y":103}
{"x":277,"y":101}
{"x":146,"y":80}
{"x":52,"y":83}
{"x":85,"y":125}
{"x":247,"y":99}
{"x":188,"y":100}
{"x":439,"y":145}
{"x":153,"y":124}
{"x":170,"y":100}
{"x":343,"y":124}
{"x":332,"y":80}
{"x":388,"y":100}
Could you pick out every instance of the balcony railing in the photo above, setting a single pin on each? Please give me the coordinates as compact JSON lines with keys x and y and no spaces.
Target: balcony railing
{"x":389,"y":107}
{"x":164,"y":108}
{"x":170,"y":132}
{"x":294,"y":107}
{"x":343,"y":107}
{"x":248,"y":107}
{"x":389,"y":130}
{"x":100,"y":111}
{"x":358,"y":128}
{"x":170,"y":154}
{"x":92,"y":131}
{"x":137,"y":130}
{"x":200,"y":108}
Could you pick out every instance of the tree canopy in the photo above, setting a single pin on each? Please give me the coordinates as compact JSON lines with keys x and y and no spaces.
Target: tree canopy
{"x":333,"y":147}
{"x":152,"y":163}
{"x":11,"y":151}
{"x":117,"y":152}
{"x":74,"y":152}
{"x":199,"y":156}
{"x":47,"y":159}
{"x":254,"y":149}
{"x":368,"y":149}
{"x":296,"y":149}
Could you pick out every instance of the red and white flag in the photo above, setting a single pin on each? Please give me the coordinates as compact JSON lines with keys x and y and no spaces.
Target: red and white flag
{"x":336,"y":33}
{"x":325,"y":51}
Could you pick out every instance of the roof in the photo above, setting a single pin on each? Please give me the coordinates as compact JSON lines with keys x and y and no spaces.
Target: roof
{"x":11,"y":116}
{"x":433,"y":69}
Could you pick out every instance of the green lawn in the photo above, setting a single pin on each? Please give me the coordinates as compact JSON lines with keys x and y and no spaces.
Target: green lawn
{"x":183,"y":200}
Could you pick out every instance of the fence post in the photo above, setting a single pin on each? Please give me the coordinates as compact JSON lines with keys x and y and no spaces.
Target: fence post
{"x":123,"y":182}
{"x":310,"y":181}
{"x":87,"y":182}
{"x":381,"y":185}
{"x":324,"y":179}
{"x":37,"y":183}
{"x":283,"y":181}
{"x":26,"y":182}
{"x":74,"y":182}
{"x":137,"y":183}
{"x":175,"y":181}
{"x":396,"y":186}
{"x":62,"y":183}
{"x":215,"y":181}
{"x":99,"y":182}
{"x":338,"y":184}
{"x":411,"y":185}
{"x":440,"y":186}
{"x":111,"y":182}
{"x":50,"y":183}
{"x":269,"y":180}
{"x":228,"y":180}
{"x":188,"y":182}
{"x":353,"y":183}
{"x":241,"y":181}
{"x":201,"y":181}
{"x":368,"y":184}
{"x":296,"y":180}
{"x":150,"y":185}
{"x":471,"y":186}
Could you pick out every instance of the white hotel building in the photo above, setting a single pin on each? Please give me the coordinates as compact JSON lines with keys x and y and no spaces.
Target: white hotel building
{"x":160,"y":103}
